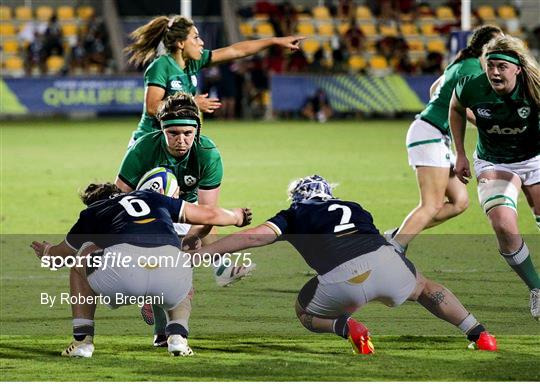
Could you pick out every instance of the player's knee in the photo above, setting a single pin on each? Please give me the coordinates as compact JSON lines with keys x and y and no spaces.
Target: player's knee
{"x":494,"y":194}
{"x":304,"y":318}
{"x":503,"y":222}
{"x":461,"y":203}
{"x":421,"y":283}
{"x":431,"y":208}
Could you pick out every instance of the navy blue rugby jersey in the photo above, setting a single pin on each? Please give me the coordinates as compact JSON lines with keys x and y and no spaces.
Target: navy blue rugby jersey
{"x":141,"y":218}
{"x":328,"y":233}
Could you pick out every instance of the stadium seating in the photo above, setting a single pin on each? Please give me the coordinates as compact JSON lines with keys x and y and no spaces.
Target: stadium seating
{"x":23,"y":13}
{"x":5,"y":13}
{"x":436,"y":45}
{"x":310,"y":46}
{"x":408,"y":29}
{"x":363,"y":13}
{"x":7,"y":29}
{"x":10,"y":47}
{"x":421,"y":29}
{"x":321,"y":13}
{"x":415,"y":45}
{"x":343,"y":27}
{"x":65,"y":13}
{"x":246,"y":29}
{"x":84,"y":13}
{"x":486,"y":13}
{"x":406,"y":17}
{"x":506,"y":12}
{"x":44,"y":13}
{"x":445,"y":14}
{"x":14,"y":20}
{"x":357,"y":63}
{"x":264,"y":29}
{"x":69,"y":30}
{"x":14,"y":65}
{"x":326,"y":29}
{"x":305,"y":28}
{"x":388,"y":30}
{"x":54,"y":64}
{"x":428,"y":30}
{"x":378,"y":62}
{"x":369,"y":30}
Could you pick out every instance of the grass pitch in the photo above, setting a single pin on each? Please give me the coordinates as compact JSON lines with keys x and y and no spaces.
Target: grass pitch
{"x":249,"y":331}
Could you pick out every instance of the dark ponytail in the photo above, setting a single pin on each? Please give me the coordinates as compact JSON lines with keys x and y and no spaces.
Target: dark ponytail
{"x":481,"y":36}
{"x":146,"y":39}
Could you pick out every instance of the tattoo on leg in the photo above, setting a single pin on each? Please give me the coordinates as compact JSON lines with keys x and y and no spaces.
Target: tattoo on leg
{"x":437,"y":297}
{"x":308,"y":322}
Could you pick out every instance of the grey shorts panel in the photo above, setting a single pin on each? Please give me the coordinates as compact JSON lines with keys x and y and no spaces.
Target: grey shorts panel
{"x":390,"y":281}
{"x":171,"y":283}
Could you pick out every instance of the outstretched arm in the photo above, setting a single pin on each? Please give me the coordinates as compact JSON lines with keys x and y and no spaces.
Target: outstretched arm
{"x":457,"y":120}
{"x":251,"y":47}
{"x":204,"y":214}
{"x":44,"y":248}
{"x":248,"y":238}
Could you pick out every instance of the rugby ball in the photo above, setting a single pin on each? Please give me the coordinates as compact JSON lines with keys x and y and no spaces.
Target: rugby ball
{"x":160,"y":180}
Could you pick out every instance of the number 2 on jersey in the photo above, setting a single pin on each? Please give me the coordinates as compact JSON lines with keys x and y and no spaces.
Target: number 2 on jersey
{"x":135,"y":207}
{"x":345,"y":218}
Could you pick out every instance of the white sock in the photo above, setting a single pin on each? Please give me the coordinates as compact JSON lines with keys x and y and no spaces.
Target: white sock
{"x":468,"y":323}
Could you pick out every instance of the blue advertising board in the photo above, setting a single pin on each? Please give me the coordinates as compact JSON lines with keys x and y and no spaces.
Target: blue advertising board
{"x":65,"y":94}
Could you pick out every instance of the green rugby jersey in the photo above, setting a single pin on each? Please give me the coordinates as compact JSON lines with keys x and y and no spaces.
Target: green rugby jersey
{"x":164,"y":72}
{"x":201,"y":167}
{"x":436,"y":111}
{"x":508,"y":125}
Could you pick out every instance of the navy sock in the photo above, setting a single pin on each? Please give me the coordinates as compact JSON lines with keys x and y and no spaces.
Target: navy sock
{"x":341,"y":328}
{"x":474,"y":333}
{"x":176,"y":329}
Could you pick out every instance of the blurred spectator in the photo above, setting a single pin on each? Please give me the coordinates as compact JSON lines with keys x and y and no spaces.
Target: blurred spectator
{"x":332,"y":9}
{"x":346,"y":9}
{"x":432,"y":63}
{"x":389,"y":14}
{"x":339,"y":54}
{"x":402,"y":62}
{"x":354,"y":38}
{"x":77,"y":58}
{"x":96,"y":50}
{"x":387,"y":46}
{"x":534,"y":42}
{"x":317,"y":107}
{"x":28,"y":31}
{"x":276,"y":22}
{"x":317,"y":65}
{"x":287,"y":14}
{"x":226,"y":89}
{"x":35,"y":55}
{"x":274,"y":61}
{"x":455,"y":6}
{"x":52,"y":39}
{"x":405,"y":6}
{"x":256,"y":85}
{"x":297,"y":62}
{"x":424,"y":9}
{"x":265,"y":7}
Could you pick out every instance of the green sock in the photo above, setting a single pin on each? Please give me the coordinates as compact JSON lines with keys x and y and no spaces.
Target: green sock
{"x":521,"y":263}
{"x":160,"y":320}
